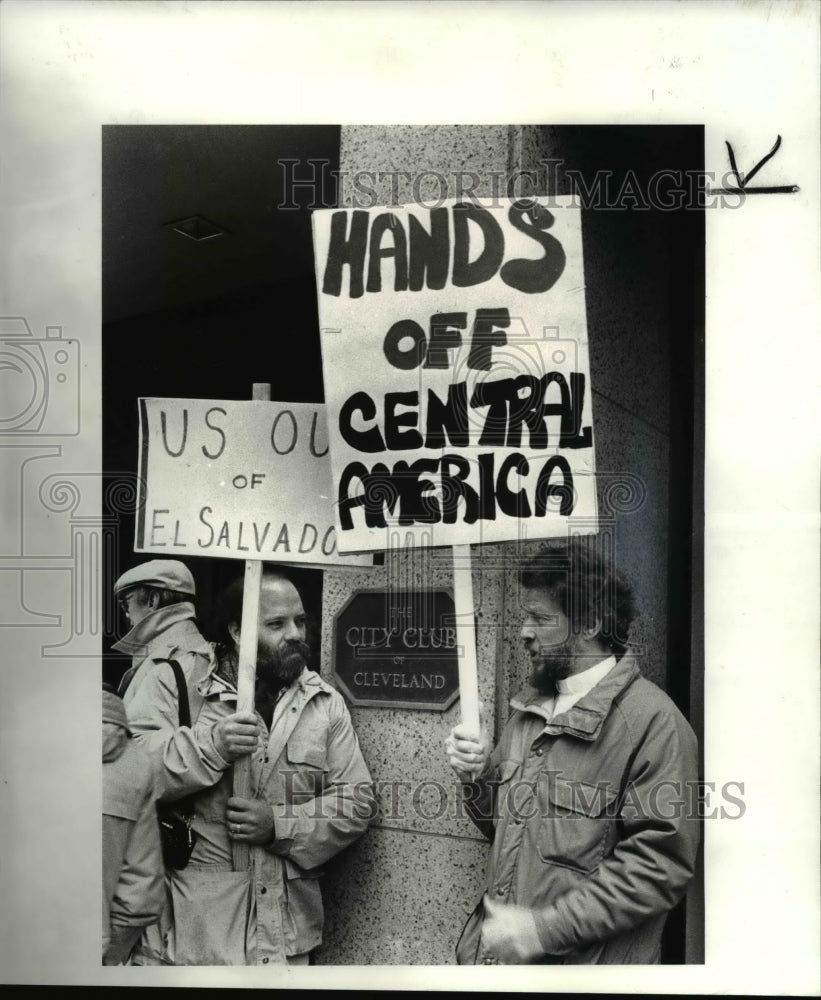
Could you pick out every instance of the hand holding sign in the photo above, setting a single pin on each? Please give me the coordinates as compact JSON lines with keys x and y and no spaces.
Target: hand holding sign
{"x":236,"y":735}
{"x":467,"y":752}
{"x":249,"y":820}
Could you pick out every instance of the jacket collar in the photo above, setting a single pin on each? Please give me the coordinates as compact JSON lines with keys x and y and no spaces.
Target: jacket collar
{"x":586,"y":717}
{"x":157,"y":627}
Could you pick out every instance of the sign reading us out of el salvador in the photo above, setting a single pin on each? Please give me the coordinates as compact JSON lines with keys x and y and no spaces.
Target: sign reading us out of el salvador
{"x":241,"y":479}
{"x":456,"y":367}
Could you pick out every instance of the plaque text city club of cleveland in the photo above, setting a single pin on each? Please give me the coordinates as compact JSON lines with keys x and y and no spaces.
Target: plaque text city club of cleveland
{"x":397,"y":649}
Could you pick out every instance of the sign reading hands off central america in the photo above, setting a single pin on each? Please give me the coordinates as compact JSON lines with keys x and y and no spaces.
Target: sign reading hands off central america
{"x":457,"y":376}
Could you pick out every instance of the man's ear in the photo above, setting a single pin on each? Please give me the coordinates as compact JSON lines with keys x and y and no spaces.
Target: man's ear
{"x":153,"y":599}
{"x":593,"y":629}
{"x":233,"y":631}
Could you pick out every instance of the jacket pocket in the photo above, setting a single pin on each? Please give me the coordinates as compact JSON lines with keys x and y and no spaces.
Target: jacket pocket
{"x":303,"y":903}
{"x":307,"y":757}
{"x":507,"y":769}
{"x":210,"y":917}
{"x":512,"y":795}
{"x":574,"y":820}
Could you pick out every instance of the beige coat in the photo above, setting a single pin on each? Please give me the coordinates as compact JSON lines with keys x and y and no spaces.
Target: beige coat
{"x":151,"y":699}
{"x":132,"y":860}
{"x":310,"y":770}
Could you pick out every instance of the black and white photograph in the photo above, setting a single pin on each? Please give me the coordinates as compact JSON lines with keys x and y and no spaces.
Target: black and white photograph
{"x":400,"y":505}
{"x":584,"y":337}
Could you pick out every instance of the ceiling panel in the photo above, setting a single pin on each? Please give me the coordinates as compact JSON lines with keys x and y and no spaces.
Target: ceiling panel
{"x":232,"y":176}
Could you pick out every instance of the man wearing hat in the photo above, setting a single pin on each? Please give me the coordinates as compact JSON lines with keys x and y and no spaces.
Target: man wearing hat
{"x":156,"y":598}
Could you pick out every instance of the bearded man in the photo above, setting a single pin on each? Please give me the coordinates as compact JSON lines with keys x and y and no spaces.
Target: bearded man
{"x":587,"y":797}
{"x":311,"y":796}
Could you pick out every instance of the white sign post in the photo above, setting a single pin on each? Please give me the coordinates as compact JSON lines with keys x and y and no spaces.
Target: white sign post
{"x":247,"y":667}
{"x":466,"y":638}
{"x":457,"y":378}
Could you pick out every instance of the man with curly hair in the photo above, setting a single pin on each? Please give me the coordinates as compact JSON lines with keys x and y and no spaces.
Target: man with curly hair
{"x":587,"y":797}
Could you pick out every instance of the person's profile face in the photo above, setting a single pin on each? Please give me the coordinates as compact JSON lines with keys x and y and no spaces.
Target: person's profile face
{"x":135,"y":604}
{"x":545,"y":634}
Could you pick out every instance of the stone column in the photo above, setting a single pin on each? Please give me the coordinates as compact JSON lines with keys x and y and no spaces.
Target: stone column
{"x":401,"y":894}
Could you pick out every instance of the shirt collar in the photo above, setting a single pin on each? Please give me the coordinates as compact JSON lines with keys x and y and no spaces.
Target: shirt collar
{"x":586,"y":717}
{"x":587,"y":679}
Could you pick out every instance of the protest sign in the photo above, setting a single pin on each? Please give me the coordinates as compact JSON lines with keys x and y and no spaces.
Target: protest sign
{"x":457,"y":377}
{"x":239,"y":479}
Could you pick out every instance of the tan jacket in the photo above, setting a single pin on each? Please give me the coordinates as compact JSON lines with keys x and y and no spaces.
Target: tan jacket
{"x":132,"y":860}
{"x":311,"y":771}
{"x":592,"y":820}
{"x":151,"y":700}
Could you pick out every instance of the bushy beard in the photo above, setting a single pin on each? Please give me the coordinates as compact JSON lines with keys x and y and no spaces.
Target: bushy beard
{"x":551,"y":666}
{"x":280,"y":667}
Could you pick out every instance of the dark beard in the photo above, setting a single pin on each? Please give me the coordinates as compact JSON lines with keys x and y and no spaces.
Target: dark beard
{"x":277,"y":669}
{"x":549,"y":668}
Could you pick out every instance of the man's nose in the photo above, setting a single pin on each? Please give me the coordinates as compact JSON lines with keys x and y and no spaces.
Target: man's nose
{"x":293,"y":631}
{"x":526,"y":633}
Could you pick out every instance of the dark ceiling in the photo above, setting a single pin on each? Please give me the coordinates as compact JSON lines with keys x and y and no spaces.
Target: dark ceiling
{"x":233,"y":177}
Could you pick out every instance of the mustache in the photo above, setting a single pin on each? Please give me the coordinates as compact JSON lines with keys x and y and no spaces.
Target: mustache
{"x":283,"y":664}
{"x":289,"y":647}
{"x":550,"y":664}
{"x":295,"y":647}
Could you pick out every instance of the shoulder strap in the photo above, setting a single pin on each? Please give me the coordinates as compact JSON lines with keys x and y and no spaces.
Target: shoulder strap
{"x":184,"y":807}
{"x":184,"y":711}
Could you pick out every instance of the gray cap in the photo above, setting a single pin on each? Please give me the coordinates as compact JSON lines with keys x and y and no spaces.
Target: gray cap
{"x":168,"y":574}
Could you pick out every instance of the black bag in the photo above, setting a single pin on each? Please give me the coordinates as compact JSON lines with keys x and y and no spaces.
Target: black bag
{"x":175,"y":818}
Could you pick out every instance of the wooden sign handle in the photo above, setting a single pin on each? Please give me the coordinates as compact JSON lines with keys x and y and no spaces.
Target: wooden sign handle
{"x":247,"y":667}
{"x":466,"y":637}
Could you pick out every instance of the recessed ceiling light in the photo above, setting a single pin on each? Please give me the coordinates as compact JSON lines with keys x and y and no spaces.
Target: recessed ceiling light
{"x":195,"y":227}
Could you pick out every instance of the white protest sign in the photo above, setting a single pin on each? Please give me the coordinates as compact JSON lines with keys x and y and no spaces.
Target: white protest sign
{"x":238,"y":479}
{"x":456,"y":367}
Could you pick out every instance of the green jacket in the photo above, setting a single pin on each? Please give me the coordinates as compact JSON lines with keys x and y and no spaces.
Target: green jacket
{"x":592,"y":820}
{"x":310,"y":770}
